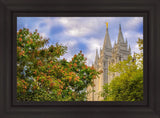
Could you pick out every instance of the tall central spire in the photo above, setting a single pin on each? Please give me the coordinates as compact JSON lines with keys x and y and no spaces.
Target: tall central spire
{"x":107,"y":42}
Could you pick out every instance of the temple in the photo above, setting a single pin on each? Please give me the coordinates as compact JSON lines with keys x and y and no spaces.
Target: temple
{"x":108,"y":55}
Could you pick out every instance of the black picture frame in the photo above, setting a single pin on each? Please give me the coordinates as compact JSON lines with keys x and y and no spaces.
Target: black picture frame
{"x":148,"y":9}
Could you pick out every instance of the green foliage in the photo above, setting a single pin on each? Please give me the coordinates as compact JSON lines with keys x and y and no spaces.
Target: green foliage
{"x":43,"y":76}
{"x":129,"y":85}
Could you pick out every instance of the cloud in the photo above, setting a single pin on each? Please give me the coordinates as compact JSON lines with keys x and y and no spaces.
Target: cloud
{"x":133,"y":23}
{"x":91,"y":45}
{"x":83,"y":26}
{"x":77,"y":26}
{"x":84,"y":33}
{"x":132,"y":37}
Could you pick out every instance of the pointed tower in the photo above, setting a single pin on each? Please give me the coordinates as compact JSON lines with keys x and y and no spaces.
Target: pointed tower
{"x":96,"y":59}
{"x":106,"y":55}
{"x":129,"y":49}
{"x":120,"y":52}
{"x":107,"y":41}
{"x":100,"y":50}
{"x":107,"y":47}
{"x":120,"y":35}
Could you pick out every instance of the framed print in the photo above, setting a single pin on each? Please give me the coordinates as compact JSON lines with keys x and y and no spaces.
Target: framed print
{"x":79,"y":59}
{"x":62,"y":68}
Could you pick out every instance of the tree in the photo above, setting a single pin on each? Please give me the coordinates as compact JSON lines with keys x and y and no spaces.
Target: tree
{"x":129,"y":85}
{"x":43,"y":76}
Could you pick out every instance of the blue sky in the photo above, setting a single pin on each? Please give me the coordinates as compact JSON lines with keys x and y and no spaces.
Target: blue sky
{"x":84,"y":33}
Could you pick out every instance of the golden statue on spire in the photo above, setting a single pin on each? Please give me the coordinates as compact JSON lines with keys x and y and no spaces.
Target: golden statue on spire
{"x":107,"y":24}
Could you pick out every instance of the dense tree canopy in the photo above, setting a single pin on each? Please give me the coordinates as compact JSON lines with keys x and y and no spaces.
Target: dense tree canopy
{"x":43,"y":76}
{"x":129,"y":85}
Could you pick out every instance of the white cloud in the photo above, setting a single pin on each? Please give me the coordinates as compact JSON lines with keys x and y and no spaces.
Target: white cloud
{"x":132,"y":37}
{"x":80,"y":27}
{"x":133,"y":23}
{"x":92,"y":44}
{"x":43,"y":34}
{"x":85,"y":29}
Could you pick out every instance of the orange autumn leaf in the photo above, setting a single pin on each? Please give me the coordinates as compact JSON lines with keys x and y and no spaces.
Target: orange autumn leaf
{"x":49,"y":71}
{"x":75,"y":55}
{"x":38,"y":51}
{"x":23,"y":81}
{"x":34,"y":87}
{"x":94,"y":77}
{"x":31,"y":40}
{"x":70,"y":78}
{"x":61,"y":87}
{"x":37,"y":78}
{"x":59,"y":80}
{"x":21,"y":53}
{"x":59,"y":92}
{"x":75,"y":64}
{"x":66,"y":69}
{"x":20,"y":30}
{"x":35,"y":72}
{"x":20,"y":39}
{"x":24,"y":90}
{"x":92,"y":68}
{"x":51,"y":84}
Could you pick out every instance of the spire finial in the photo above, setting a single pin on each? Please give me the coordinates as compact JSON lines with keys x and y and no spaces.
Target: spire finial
{"x":119,"y":26}
{"x":107,"y":25}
